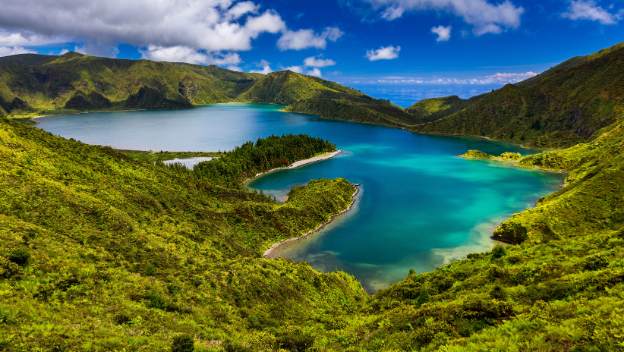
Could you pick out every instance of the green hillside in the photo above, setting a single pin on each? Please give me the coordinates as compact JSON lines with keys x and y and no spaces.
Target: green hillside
{"x":144,"y":254}
{"x":428,"y":110}
{"x":327,"y":99}
{"x":103,"y":250}
{"x":34,"y":84}
{"x":560,"y":107}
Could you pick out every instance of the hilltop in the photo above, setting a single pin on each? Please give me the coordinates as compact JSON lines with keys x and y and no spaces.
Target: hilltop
{"x":38,"y":84}
{"x":563,"y":106}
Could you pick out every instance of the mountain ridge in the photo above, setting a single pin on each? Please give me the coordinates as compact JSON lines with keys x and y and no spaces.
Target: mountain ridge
{"x":76,"y":82}
{"x":565,"y":105}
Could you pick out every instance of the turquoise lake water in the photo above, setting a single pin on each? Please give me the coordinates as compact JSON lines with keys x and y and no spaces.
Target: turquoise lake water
{"x":420,"y":205}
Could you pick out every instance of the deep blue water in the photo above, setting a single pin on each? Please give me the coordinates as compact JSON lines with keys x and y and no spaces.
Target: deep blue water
{"x":405,"y":95}
{"x":420,"y":206}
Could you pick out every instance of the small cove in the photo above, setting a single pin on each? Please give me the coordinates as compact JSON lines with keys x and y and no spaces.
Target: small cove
{"x":419,"y":206}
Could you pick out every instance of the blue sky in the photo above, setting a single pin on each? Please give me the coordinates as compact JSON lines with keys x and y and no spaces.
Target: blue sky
{"x":360,"y":42}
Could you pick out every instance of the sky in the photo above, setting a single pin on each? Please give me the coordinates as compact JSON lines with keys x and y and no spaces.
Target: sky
{"x":466,"y":46}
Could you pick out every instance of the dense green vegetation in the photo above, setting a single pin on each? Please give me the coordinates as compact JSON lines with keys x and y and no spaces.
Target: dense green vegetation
{"x":565,"y":105}
{"x":428,"y":110}
{"x":35,"y":84}
{"x":108,"y":250}
{"x":327,"y":99}
{"x":160,"y":156}
{"x":102,"y":252}
{"x":250,"y":159}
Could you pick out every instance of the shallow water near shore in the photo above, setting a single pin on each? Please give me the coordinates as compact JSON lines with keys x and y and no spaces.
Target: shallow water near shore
{"x":420,"y":205}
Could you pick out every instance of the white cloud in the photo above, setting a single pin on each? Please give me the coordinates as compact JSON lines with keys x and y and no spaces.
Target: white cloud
{"x":443,"y":33}
{"x":189,"y":55}
{"x":265,"y":68}
{"x":496,"y":78}
{"x":296,"y":69}
{"x":318,"y":62}
{"x":14,"y":50}
{"x":312,"y":66}
{"x":483,"y":16}
{"x":26,"y":39}
{"x":316,"y":72}
{"x":242,"y":8}
{"x":211,"y":25}
{"x":307,"y":38}
{"x":383,"y":53}
{"x":590,"y":11}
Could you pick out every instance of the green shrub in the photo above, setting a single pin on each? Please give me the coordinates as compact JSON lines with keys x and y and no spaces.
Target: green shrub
{"x":20,"y":256}
{"x":498,"y":252}
{"x":595,"y":262}
{"x":497,"y":292}
{"x":182,"y":343}
{"x":295,"y":340}
{"x":511,"y":232}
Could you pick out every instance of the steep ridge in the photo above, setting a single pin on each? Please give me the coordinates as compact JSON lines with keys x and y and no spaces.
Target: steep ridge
{"x":560,"y":107}
{"x":327,"y":99}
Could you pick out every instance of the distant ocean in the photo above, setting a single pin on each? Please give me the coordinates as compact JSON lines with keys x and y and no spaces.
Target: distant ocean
{"x":407,"y":94}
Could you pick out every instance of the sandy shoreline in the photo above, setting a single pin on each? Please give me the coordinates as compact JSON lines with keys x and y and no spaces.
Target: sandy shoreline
{"x":296,"y":164}
{"x":270,"y":253}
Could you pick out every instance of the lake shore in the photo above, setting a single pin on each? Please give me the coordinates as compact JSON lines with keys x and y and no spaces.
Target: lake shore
{"x":271,"y":252}
{"x":296,"y":164}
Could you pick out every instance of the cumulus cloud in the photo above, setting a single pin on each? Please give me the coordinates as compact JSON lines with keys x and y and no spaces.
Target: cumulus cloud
{"x":383,"y":53}
{"x":496,"y":78}
{"x":265,"y":68}
{"x":14,"y":50}
{"x":318,"y":62}
{"x":590,"y":11}
{"x":312,"y":66}
{"x":189,"y":55}
{"x":307,"y":38}
{"x":213,"y":25}
{"x":313,"y":71}
{"x":26,"y":39}
{"x":443,"y":33}
{"x":482,"y":15}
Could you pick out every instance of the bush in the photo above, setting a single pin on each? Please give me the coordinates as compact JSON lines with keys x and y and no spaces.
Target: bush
{"x":595,"y":262}
{"x":20,"y":256}
{"x":121,"y":319}
{"x":182,"y":343}
{"x":498,"y":252}
{"x":498,"y":292}
{"x":295,"y":340}
{"x":511,"y":232}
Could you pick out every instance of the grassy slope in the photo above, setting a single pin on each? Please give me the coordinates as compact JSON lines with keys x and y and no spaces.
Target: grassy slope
{"x":428,"y":110}
{"x":142,"y":253}
{"x":131,"y":253}
{"x":559,"y":289}
{"x":562,"y":288}
{"x":313,"y":95}
{"x":565,"y":105}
